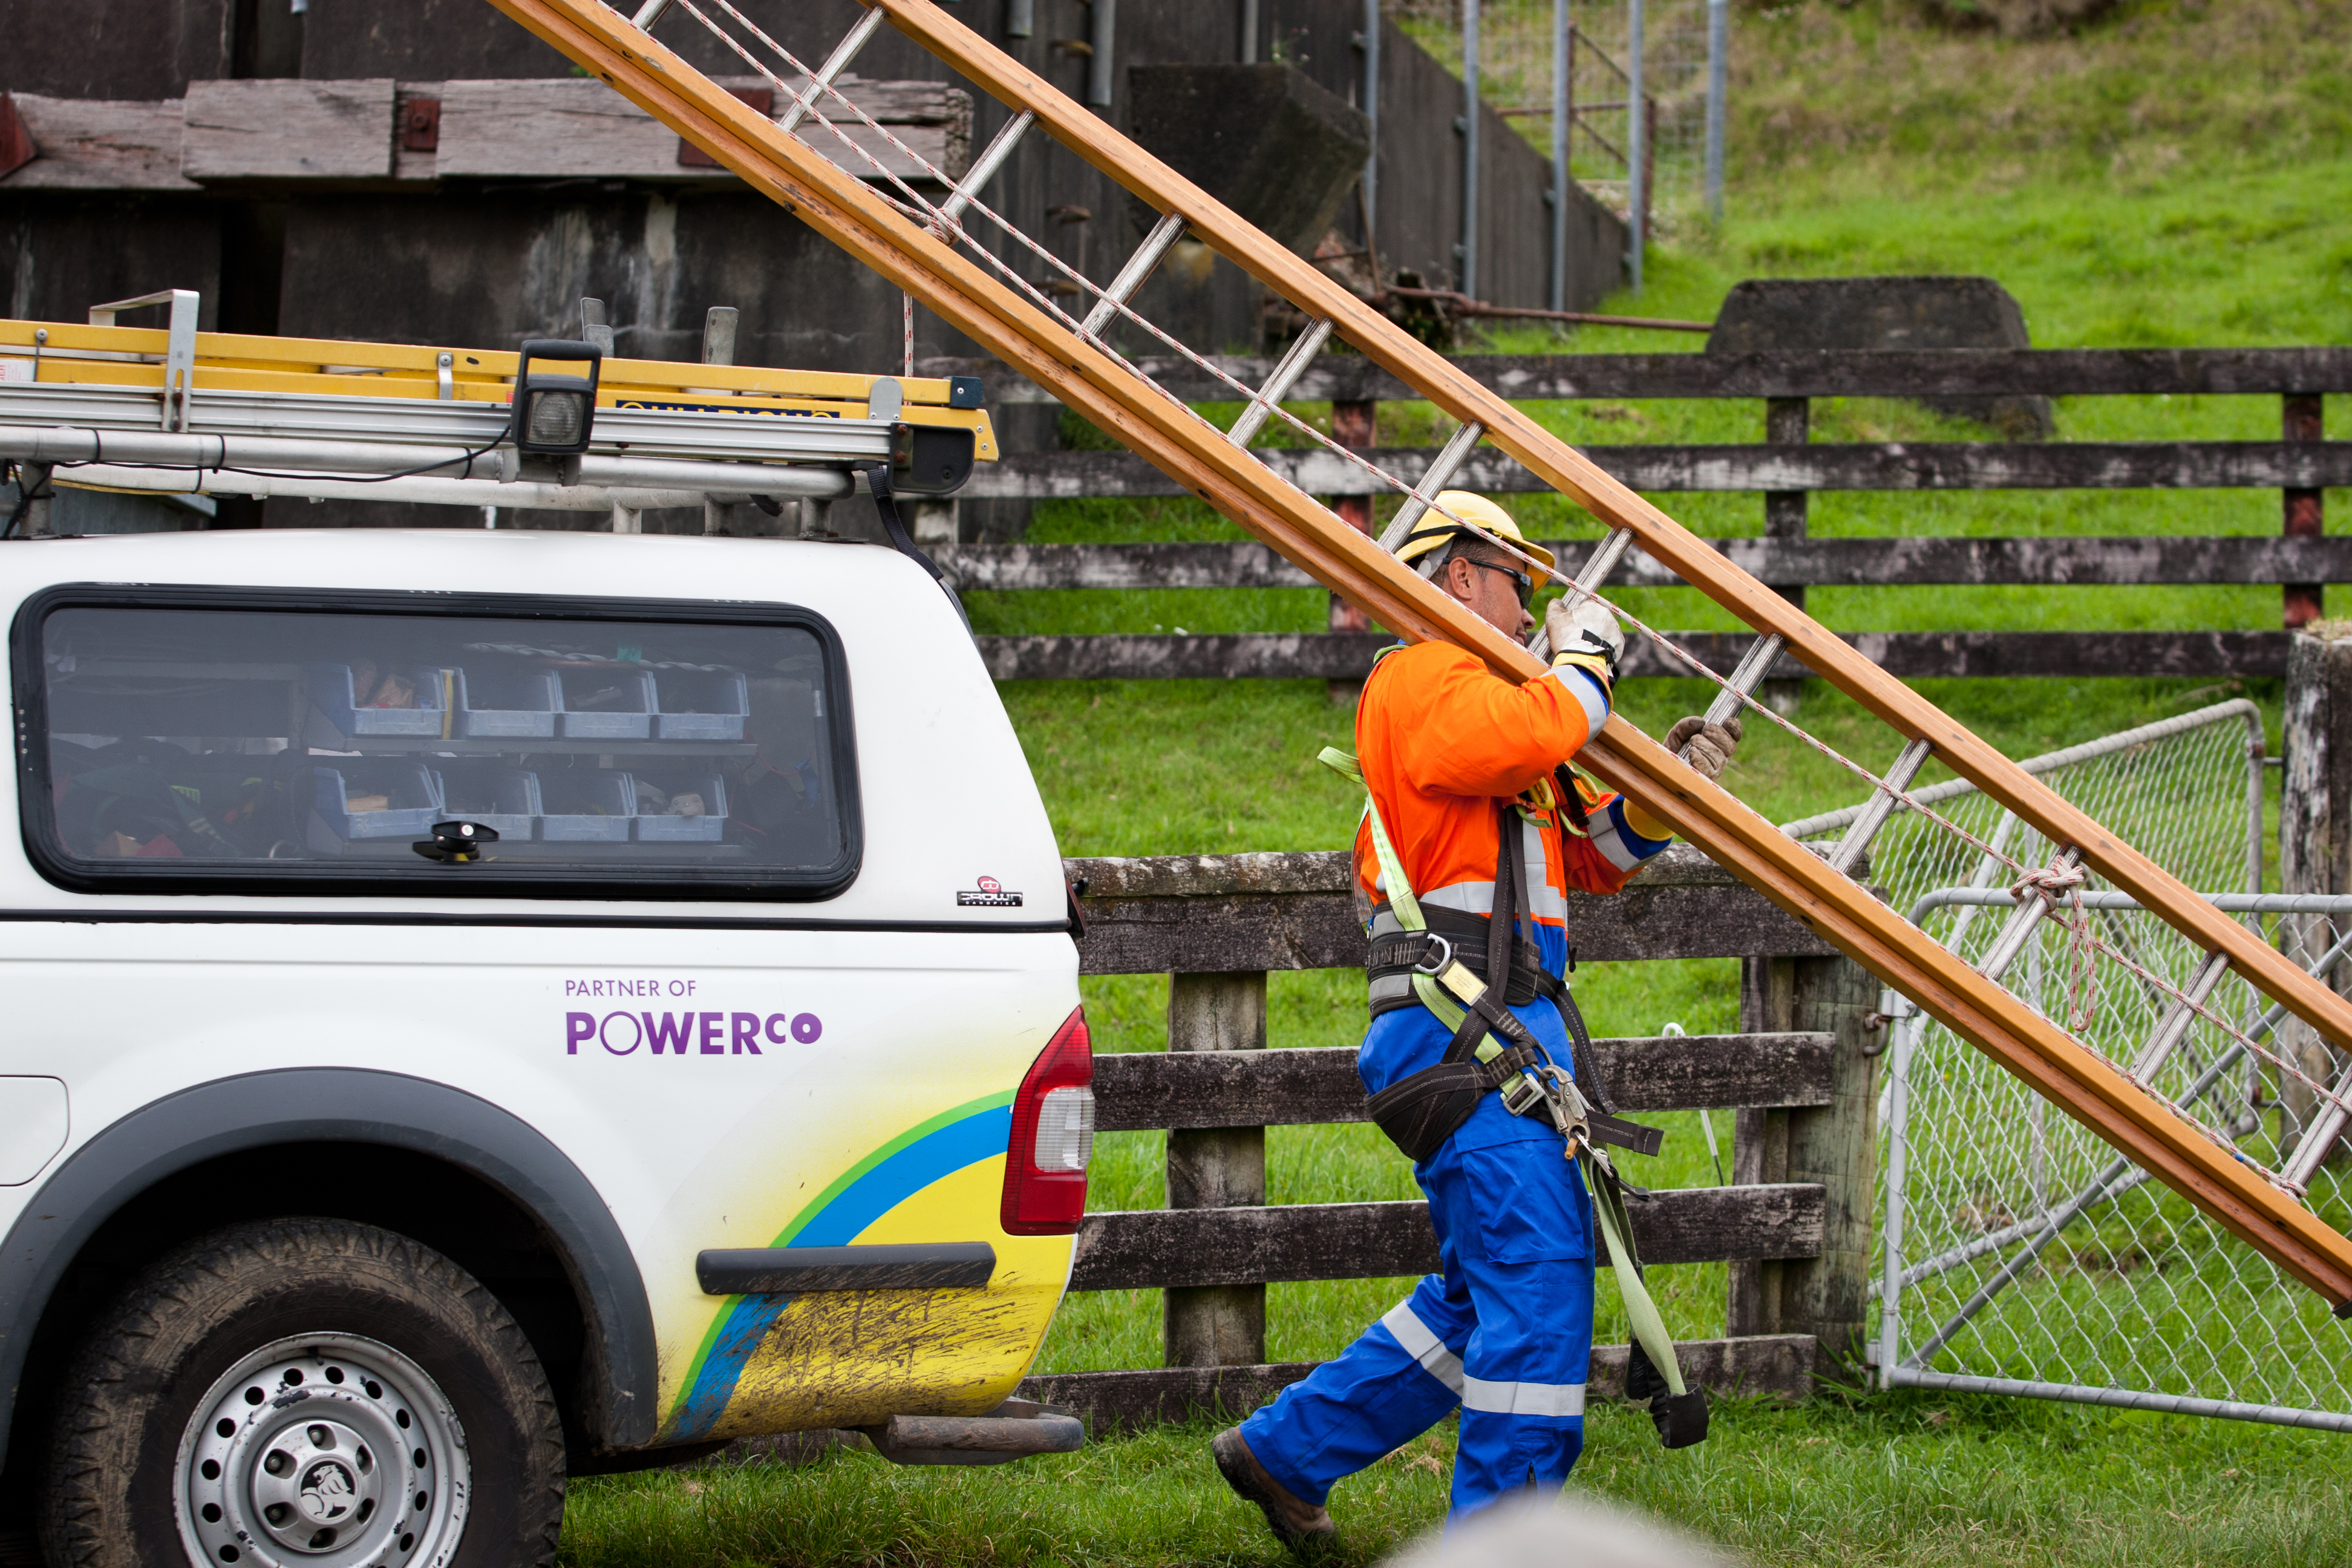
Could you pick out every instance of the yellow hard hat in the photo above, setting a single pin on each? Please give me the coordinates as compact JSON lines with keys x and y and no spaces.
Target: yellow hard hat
{"x":1435,"y":528}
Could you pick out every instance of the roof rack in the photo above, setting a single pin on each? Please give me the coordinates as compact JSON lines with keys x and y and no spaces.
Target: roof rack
{"x":177,"y":411}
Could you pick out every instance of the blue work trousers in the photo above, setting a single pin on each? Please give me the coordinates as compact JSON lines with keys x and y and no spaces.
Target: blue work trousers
{"x":1503,"y":1330}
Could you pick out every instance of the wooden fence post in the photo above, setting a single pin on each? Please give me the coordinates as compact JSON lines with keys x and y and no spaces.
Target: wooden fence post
{"x":1759,"y":1144}
{"x":1836,"y":1145}
{"x":1355,"y":424}
{"x":1830,"y":1297}
{"x":2300,"y":420}
{"x":1788,"y":422}
{"x":2314,"y":834}
{"x":1216,"y":1167}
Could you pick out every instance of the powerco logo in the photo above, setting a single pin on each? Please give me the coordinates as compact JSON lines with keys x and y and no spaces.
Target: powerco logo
{"x":687,"y":1034}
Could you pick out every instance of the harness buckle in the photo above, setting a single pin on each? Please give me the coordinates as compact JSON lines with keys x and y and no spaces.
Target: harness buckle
{"x":1426,"y":966}
{"x":1551,"y":1089}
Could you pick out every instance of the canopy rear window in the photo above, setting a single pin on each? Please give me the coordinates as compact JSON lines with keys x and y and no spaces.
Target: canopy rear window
{"x":189,"y":740}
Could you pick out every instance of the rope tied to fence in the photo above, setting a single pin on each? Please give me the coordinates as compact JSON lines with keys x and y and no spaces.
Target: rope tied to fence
{"x":2059,"y":884}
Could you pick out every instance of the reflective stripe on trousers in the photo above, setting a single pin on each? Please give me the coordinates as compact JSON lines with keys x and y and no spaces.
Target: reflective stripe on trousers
{"x":1476,"y":1394}
{"x":1508,"y":1344}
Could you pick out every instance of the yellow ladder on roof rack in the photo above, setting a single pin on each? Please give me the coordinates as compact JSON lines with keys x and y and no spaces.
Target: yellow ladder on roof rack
{"x":913,"y":240}
{"x":64,"y":352}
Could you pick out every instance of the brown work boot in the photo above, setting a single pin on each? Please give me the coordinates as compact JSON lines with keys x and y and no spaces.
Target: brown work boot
{"x":1299,"y":1525}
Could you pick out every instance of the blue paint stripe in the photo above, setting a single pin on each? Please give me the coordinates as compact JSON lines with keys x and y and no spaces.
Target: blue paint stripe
{"x":910,"y":1170}
{"x":751,"y":1319}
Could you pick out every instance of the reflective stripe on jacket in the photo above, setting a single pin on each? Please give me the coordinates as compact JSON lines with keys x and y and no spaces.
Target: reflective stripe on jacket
{"x":1441,"y":737}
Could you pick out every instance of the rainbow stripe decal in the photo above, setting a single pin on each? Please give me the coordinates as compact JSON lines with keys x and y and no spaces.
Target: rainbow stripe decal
{"x":975,"y":1131}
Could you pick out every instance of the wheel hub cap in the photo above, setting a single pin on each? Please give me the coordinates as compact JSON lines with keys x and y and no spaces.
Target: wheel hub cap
{"x":330,"y":1451}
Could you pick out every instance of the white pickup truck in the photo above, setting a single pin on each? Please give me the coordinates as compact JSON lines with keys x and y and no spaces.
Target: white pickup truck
{"x":492,"y":1005}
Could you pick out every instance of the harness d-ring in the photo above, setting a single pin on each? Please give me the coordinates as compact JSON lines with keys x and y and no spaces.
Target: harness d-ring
{"x":1427,"y":967}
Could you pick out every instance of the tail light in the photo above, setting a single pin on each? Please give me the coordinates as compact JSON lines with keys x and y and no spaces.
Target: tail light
{"x":1052,"y":1137}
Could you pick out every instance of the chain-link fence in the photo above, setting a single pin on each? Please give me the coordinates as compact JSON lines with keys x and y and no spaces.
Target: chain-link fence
{"x":1522,"y":45}
{"x":2019,"y":1254}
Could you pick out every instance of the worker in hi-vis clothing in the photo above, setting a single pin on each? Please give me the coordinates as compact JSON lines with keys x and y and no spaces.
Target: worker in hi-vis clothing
{"x":1450,"y":753}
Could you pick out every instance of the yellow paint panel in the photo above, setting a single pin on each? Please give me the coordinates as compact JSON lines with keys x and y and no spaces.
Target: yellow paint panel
{"x":858,"y":1358}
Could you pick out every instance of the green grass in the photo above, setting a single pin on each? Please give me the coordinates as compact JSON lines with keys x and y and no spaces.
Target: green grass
{"x":2173,"y":175}
{"x":1904,"y":1479}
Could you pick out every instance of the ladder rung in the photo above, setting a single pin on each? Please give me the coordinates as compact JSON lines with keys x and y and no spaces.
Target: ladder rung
{"x":1597,"y":567}
{"x":984,"y":168}
{"x":1165,"y":233}
{"x":1907,"y":764}
{"x":1439,"y":474}
{"x":2011,"y":940}
{"x":2180,"y":1015}
{"x":648,"y":14}
{"x":1292,"y":365}
{"x":834,"y":63}
{"x":1746,"y":677}
{"x":2321,"y":1138}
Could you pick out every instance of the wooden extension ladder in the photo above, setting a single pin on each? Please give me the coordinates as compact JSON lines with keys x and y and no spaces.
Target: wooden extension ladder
{"x":1026,"y":336}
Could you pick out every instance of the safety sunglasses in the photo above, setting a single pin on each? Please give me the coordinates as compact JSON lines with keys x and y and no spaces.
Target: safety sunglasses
{"x":1527,"y":584}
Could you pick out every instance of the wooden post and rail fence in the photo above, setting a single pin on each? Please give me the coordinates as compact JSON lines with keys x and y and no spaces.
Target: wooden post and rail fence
{"x":1786,"y":469}
{"x":1795,"y":1225}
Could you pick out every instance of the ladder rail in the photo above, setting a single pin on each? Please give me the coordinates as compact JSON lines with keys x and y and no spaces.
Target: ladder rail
{"x":1143,"y":417}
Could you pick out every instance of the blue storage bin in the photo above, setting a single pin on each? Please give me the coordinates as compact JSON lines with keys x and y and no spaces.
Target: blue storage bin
{"x":586,"y":808}
{"x":413,"y":799}
{"x":658,"y":825}
{"x":501,"y":799}
{"x":625,"y":704}
{"x":507,"y":702}
{"x":700,"y":705}
{"x":331,"y":694}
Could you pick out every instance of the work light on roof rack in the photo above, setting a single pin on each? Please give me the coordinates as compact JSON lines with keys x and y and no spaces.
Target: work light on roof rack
{"x":553,"y":414}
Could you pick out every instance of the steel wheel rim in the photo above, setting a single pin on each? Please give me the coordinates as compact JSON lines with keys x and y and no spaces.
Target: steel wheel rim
{"x":323,"y":1451}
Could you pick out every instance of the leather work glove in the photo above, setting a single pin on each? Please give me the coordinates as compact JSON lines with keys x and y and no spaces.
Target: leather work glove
{"x":1587,"y":636}
{"x":1712,"y":746}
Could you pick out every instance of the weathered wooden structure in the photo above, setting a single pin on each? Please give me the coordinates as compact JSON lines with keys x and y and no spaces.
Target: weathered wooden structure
{"x":430,"y":173}
{"x":1801,"y":1078}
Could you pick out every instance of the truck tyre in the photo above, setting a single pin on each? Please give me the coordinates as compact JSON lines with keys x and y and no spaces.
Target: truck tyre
{"x":304,"y":1393}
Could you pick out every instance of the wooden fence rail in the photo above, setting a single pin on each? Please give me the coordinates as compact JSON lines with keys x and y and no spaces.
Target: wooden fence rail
{"x":1939,"y":372}
{"x":1887,"y":466}
{"x":1217,"y":924}
{"x":1783,"y":562}
{"x":1786,"y":469}
{"x":1910,"y":655}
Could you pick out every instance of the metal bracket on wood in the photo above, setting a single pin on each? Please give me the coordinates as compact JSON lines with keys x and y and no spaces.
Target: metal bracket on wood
{"x":180,"y":346}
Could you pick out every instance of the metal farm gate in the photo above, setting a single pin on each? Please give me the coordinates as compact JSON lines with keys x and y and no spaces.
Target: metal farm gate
{"x":2019,"y":1254}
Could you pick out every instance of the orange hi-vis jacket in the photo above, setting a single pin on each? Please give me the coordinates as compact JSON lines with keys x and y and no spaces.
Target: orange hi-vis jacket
{"x":1441,"y":739}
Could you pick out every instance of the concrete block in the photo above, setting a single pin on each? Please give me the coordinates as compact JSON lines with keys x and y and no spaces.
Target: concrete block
{"x":1265,"y":140}
{"x":1767,"y":315}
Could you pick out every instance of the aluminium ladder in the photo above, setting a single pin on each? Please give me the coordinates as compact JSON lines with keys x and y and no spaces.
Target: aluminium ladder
{"x":913,"y":244}
{"x":177,"y":411}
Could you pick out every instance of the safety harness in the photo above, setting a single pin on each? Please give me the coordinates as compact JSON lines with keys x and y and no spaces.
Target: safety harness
{"x":1435,"y":964}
